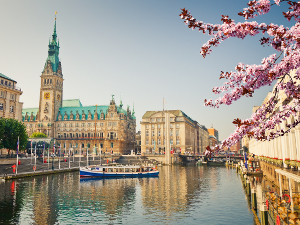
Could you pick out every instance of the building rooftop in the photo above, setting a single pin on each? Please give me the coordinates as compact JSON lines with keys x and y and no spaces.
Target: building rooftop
{"x":6,"y":77}
{"x":148,"y":114}
{"x":73,"y":106}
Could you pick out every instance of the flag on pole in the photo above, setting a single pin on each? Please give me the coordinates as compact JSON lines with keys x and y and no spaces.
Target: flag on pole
{"x":44,"y":145}
{"x":165,"y":101}
{"x":18,"y":145}
{"x":54,"y":147}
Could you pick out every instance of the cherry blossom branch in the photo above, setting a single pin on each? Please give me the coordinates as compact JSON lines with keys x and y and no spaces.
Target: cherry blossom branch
{"x":248,"y":78}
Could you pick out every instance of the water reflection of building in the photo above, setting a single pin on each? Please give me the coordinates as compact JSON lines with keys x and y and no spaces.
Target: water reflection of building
{"x":166,"y":193}
{"x":10,"y":206}
{"x":109,"y":196}
{"x":175,"y":189}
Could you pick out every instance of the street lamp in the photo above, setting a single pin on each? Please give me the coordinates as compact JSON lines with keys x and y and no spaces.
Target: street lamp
{"x":87,"y":156}
{"x":52,"y":161}
{"x":73,"y":147}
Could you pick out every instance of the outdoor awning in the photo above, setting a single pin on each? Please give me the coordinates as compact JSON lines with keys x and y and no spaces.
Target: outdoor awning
{"x":288,"y":175}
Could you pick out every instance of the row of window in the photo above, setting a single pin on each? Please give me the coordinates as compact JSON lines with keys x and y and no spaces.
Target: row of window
{"x":5,"y":82}
{"x":82,"y":145}
{"x":49,"y":81}
{"x":2,"y":95}
{"x":159,"y":133}
{"x":159,"y":142}
{"x":88,"y":124}
{"x":162,"y":119}
{"x":158,"y":126}
{"x":11,"y":108}
{"x":110,"y":135}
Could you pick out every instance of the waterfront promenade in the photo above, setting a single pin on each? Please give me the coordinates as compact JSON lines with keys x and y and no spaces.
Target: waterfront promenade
{"x":26,"y":168}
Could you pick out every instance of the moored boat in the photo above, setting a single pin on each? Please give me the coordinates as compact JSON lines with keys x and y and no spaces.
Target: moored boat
{"x":216,"y":163}
{"x":104,"y":171}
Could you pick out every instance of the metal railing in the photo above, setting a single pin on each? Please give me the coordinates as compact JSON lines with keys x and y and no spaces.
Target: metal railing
{"x":273,"y":213}
{"x":11,"y":86}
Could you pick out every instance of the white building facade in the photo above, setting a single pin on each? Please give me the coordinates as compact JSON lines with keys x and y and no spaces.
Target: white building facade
{"x":285,"y":147}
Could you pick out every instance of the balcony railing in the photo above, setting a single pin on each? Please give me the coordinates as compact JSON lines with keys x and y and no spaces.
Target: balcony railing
{"x":11,"y":86}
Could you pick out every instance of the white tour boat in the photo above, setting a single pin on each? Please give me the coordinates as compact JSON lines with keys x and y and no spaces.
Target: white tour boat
{"x":106,"y":171}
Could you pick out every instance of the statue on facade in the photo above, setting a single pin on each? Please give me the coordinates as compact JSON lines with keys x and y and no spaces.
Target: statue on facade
{"x":89,"y":115}
{"x":26,"y":116}
{"x":66,"y":116}
{"x":46,"y":108}
{"x":77,"y":115}
{"x":71,"y":115}
{"x":59,"y":115}
{"x":31,"y":116}
{"x":83,"y":115}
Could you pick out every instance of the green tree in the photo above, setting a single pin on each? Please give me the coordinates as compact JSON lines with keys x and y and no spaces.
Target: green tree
{"x":12,"y":130}
{"x":1,"y":132}
{"x":38,"y":135}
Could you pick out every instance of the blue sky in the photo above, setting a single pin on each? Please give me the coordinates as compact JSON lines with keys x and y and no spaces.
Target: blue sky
{"x":140,"y":50}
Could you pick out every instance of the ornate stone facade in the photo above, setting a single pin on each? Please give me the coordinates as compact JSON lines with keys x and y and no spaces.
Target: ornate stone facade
{"x":185,"y":133}
{"x":10,"y":107}
{"x":106,"y":127}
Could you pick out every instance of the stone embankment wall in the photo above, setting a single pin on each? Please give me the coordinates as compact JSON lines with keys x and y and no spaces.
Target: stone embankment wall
{"x":8,"y":161}
{"x":269,"y":172}
{"x":161,"y":158}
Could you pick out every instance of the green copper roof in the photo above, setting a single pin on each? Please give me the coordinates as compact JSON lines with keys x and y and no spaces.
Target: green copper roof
{"x":2,"y":75}
{"x":75,"y":106}
{"x":29,"y":111}
{"x":53,"y":51}
{"x":71,"y":103}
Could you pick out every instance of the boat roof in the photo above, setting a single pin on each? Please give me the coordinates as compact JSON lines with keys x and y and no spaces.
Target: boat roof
{"x":117,"y":166}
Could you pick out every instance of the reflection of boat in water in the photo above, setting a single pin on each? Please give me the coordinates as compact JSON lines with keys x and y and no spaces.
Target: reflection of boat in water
{"x":201,"y":162}
{"x":111,"y":171}
{"x":216,"y":163}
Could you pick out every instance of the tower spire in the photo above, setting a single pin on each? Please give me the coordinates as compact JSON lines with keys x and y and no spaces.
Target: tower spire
{"x":53,"y":50}
{"x":133,"y":110}
{"x":121,"y":104}
{"x":54,"y":35}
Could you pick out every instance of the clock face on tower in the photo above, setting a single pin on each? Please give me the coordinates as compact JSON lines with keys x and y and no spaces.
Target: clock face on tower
{"x":46,"y":95}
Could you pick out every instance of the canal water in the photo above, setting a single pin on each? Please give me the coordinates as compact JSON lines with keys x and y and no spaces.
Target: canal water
{"x":180,"y":195}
